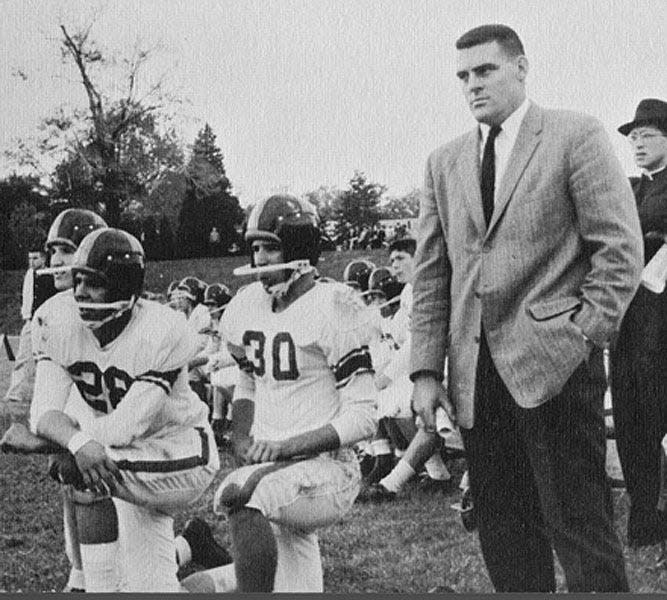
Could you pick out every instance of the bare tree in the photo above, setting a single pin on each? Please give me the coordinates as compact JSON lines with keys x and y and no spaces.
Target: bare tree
{"x":111,"y":151}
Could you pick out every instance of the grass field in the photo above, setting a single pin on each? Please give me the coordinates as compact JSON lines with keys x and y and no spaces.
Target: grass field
{"x":408,"y":546}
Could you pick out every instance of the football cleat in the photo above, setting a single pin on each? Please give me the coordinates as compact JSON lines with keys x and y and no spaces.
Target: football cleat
{"x":466,"y":509}
{"x":206,"y":551}
{"x":377,"y":494}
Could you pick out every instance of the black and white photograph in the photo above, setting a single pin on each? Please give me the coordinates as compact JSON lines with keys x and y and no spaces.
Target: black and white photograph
{"x":333,"y":297}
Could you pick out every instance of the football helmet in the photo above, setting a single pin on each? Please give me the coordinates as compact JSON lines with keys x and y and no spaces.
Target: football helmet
{"x":384,"y":281}
{"x":114,"y":258}
{"x":71,"y":226}
{"x":357,"y":272}
{"x":191,"y":288}
{"x":216,"y":297}
{"x":293,"y":224}
{"x":171,"y":287}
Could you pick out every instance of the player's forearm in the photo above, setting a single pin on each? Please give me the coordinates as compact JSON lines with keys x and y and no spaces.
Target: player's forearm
{"x":198,"y":361}
{"x":311,"y":442}
{"x":56,"y":426}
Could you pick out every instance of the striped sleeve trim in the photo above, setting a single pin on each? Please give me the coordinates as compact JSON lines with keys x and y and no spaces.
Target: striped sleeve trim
{"x":353,"y":363}
{"x":163,"y":379}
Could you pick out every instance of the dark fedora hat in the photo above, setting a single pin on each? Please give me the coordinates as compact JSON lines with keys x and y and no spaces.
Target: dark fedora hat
{"x":650,"y":111}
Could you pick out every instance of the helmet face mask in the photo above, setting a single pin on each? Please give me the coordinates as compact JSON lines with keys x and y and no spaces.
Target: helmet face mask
{"x":111,"y":262}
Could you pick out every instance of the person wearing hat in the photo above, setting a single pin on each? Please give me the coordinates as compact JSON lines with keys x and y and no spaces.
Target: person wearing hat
{"x":639,"y":360}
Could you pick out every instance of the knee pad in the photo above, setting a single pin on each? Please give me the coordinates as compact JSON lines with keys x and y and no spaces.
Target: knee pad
{"x":232,"y":495}
{"x":97,"y":522}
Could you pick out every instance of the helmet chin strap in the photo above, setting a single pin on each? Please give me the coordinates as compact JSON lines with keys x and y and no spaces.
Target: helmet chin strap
{"x":118,"y":308}
{"x":278,"y":290}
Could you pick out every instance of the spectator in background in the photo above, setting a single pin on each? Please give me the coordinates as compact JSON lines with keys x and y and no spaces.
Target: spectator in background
{"x":529,"y":253}
{"x":639,"y":360}
{"x":214,"y":242}
{"x":36,"y":289}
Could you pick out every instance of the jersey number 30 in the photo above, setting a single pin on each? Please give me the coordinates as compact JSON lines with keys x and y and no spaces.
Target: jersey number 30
{"x":283,"y":354}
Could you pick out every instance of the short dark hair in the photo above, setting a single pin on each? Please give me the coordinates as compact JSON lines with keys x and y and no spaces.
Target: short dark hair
{"x":506,"y":37}
{"x":403,"y":245}
{"x":37,"y":245}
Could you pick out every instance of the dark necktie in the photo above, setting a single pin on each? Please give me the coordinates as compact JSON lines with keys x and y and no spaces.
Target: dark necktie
{"x":488,"y":175}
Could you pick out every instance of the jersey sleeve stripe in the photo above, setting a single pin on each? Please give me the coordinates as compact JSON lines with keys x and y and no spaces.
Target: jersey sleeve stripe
{"x":164,"y":379}
{"x":354,"y":362}
{"x":170,"y":465}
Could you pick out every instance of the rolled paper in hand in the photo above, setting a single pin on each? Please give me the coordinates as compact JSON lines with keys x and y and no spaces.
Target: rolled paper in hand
{"x":654,"y":274}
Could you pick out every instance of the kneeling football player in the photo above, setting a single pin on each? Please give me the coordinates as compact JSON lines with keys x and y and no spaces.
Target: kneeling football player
{"x":142,"y":436}
{"x":304,"y":396}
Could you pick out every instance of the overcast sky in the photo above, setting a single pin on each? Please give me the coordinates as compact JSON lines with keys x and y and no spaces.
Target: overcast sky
{"x":301,"y":93}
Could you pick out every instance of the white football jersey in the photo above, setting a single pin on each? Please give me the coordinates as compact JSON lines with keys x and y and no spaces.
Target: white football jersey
{"x":154,"y":348}
{"x":298,"y":358}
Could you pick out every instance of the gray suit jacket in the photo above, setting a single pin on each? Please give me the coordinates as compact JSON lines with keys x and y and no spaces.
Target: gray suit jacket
{"x":562,"y":255}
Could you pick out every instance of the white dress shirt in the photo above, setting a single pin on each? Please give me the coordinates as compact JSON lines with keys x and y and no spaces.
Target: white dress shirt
{"x":504,"y":142}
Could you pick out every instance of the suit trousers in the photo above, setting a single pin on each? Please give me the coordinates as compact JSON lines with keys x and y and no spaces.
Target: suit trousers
{"x":539,"y":484}
{"x":639,"y":398}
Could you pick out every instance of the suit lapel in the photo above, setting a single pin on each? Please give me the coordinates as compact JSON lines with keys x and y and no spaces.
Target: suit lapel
{"x":527,"y":141}
{"x":468,"y":169}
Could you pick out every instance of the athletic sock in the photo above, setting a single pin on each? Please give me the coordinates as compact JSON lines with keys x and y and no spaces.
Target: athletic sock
{"x":76,"y":580}
{"x":380,"y":446}
{"x":436,"y":469}
{"x":100,"y":566}
{"x":218,"y":405}
{"x":183,"y":551}
{"x":399,"y":476}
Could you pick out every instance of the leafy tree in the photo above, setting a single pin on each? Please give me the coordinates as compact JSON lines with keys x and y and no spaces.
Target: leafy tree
{"x":401,"y":207}
{"x":326,"y":200}
{"x":358,"y":205}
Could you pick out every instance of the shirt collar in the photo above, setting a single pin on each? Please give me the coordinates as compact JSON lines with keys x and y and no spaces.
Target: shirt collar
{"x":510,"y":125}
{"x":650,"y":175}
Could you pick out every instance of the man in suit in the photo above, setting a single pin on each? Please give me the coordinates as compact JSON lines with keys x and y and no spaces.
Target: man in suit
{"x":529,"y":252}
{"x":639,"y":360}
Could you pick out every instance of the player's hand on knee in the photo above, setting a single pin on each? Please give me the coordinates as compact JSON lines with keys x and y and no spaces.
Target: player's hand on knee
{"x":264,"y":451}
{"x":240,"y":445}
{"x":99,"y":472}
{"x":63,"y":469}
